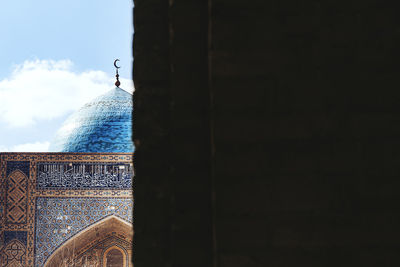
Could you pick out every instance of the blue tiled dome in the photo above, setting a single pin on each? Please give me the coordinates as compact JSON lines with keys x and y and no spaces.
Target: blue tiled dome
{"x":102,"y":125}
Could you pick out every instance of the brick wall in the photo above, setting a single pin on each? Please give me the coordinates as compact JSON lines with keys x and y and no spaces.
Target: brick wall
{"x":267,"y":133}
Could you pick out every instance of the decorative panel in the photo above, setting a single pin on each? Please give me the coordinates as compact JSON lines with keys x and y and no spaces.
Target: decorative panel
{"x":16,"y":197}
{"x":14,"y":250}
{"x":23,"y":166}
{"x":19,"y":235}
{"x":1,"y":238}
{"x":83,"y":175}
{"x":14,"y":254}
{"x":58,"y":219}
{"x":72,"y":190}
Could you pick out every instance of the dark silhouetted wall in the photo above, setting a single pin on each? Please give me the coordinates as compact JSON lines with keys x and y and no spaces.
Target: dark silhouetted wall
{"x":267,"y":133}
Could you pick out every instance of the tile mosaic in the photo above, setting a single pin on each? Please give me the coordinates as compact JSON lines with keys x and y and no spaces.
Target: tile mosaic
{"x":58,"y":219}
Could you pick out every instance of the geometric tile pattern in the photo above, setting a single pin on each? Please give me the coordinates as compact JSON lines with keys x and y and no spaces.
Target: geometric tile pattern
{"x":18,"y":165}
{"x":102,"y":125}
{"x":2,"y":209}
{"x":19,"y":235}
{"x":58,"y":219}
{"x":83,"y":175}
{"x":1,"y":240}
{"x":13,"y":254}
{"x":96,"y":157}
{"x":16,"y":197}
{"x":19,"y":191}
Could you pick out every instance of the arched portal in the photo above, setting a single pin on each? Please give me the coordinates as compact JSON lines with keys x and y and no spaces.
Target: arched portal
{"x":114,"y":257}
{"x":92,"y":245}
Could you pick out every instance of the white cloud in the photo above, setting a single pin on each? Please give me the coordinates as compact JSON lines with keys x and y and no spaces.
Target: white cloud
{"x":27,"y":147}
{"x":31,"y":147}
{"x":4,"y":149}
{"x":47,"y":89}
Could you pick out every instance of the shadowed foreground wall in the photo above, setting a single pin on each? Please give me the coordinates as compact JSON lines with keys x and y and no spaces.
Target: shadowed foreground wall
{"x":267,"y":133}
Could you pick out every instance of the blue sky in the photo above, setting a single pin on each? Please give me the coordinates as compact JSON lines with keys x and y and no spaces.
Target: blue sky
{"x":54,"y":57}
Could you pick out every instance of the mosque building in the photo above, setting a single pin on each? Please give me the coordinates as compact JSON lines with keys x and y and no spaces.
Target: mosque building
{"x":73,"y":207}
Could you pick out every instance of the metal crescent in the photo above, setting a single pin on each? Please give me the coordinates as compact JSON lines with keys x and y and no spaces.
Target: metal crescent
{"x":115,"y":63}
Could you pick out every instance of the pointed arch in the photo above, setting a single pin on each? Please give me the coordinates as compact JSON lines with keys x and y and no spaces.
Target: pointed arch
{"x":123,"y":252}
{"x":88,"y":237}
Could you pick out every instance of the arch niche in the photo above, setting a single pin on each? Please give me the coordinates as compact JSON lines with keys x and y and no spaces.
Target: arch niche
{"x":114,"y":256}
{"x":110,"y":238}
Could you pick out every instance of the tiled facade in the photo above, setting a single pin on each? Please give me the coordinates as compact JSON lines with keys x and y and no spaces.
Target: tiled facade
{"x":47,"y":198}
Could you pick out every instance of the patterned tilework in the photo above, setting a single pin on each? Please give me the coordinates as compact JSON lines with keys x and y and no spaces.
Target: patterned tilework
{"x":83,"y":175}
{"x":2,"y":187}
{"x":16,"y":183}
{"x":85,"y":193}
{"x":16,"y":197}
{"x":2,"y":201}
{"x":19,"y":235}
{"x":102,"y":125}
{"x":99,"y":157}
{"x":31,"y":215}
{"x":58,"y":219}
{"x":18,"y":165}
{"x":13,"y":254}
{"x":14,"y":251}
{"x":1,"y":238}
{"x":26,"y":164}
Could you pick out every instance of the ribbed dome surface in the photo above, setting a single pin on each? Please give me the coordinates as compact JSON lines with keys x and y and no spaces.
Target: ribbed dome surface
{"x":102,"y":125}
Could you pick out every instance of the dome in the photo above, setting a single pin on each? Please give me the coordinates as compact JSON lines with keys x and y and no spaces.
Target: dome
{"x":102,"y":125}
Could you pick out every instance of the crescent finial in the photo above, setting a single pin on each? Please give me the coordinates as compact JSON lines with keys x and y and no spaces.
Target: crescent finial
{"x":117,"y":83}
{"x":115,"y":63}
